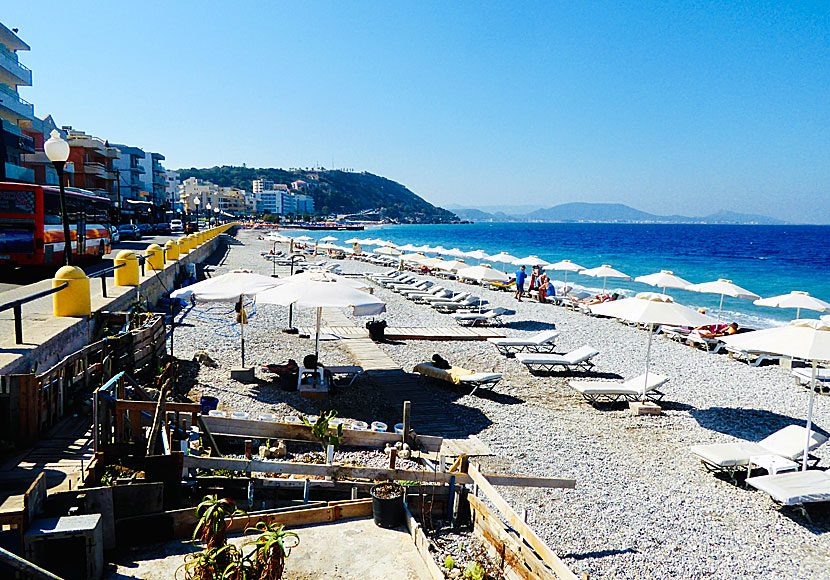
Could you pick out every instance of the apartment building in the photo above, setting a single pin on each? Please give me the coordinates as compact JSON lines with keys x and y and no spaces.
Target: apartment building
{"x":93,"y":160}
{"x":154,"y":178}
{"x":172,"y":183}
{"x":16,"y":114}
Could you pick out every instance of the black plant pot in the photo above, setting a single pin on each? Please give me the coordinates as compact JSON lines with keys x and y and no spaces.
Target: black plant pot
{"x":387,"y":511}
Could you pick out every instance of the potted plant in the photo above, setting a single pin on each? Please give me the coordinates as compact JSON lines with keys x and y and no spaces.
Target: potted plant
{"x":387,"y":504}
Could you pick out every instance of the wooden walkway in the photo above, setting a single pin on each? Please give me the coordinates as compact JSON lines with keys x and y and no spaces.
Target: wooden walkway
{"x":408,"y":333}
{"x":428,"y":416}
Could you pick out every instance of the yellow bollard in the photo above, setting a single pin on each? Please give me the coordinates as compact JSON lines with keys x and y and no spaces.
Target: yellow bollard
{"x":128,"y":275}
{"x":192,"y":242}
{"x":184,"y":246}
{"x":155,"y":257}
{"x":74,"y":299}
{"x":172,"y":250}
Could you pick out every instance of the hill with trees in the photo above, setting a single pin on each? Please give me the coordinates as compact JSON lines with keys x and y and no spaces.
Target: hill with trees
{"x":336,"y":192}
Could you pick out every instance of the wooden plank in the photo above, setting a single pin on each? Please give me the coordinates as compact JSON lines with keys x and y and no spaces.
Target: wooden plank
{"x":150,"y":406}
{"x":422,"y":544}
{"x":517,"y":523}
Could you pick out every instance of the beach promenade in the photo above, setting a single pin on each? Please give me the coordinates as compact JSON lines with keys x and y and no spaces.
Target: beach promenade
{"x":643,"y":507}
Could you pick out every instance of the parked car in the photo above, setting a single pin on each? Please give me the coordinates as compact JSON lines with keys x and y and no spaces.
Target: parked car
{"x":129,"y":232}
{"x":163,"y":229}
{"x":115,"y":236}
{"x":146,"y":229}
{"x":176,"y":227}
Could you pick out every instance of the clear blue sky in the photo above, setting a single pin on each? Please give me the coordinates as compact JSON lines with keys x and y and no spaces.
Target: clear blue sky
{"x":669,"y":107}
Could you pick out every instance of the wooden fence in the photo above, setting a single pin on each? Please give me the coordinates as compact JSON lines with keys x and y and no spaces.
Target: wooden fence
{"x":30,"y":404}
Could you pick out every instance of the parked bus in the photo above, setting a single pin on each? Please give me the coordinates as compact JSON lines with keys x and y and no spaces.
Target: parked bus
{"x":31,"y":230}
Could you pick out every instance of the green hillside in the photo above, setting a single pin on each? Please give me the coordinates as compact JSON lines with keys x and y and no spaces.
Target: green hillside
{"x":336,"y":192}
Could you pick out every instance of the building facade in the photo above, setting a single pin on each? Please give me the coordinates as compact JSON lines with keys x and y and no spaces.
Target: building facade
{"x":16,"y":114}
{"x":93,"y":161}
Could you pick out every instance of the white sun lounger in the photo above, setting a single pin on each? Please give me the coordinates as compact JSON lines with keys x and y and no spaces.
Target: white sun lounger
{"x":612,"y":391}
{"x":804,"y":376}
{"x":796,"y":488}
{"x":754,"y":358}
{"x":492,"y":316}
{"x":729,"y":458}
{"x":577,"y":359}
{"x":539,"y":342}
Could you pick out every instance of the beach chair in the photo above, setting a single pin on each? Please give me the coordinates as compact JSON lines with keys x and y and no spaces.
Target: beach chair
{"x":711,"y":345}
{"x":433,"y":291}
{"x":729,"y":458}
{"x":753,"y":358}
{"x":576,"y":359}
{"x":468,"y":303}
{"x":422,"y":285}
{"x":459,"y":376}
{"x":612,"y":391}
{"x":804,"y":377}
{"x":539,"y":342}
{"x":345,"y":373}
{"x":489,"y":317}
{"x":459,"y":297}
{"x":795,"y":489}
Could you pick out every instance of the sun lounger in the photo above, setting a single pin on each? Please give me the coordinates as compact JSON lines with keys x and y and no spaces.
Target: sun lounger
{"x":796,"y":488}
{"x":576,"y":359}
{"x":422,"y":285}
{"x":461,"y":296}
{"x":438,"y":291}
{"x":804,"y":377}
{"x":492,"y":316}
{"x":729,"y":458}
{"x":711,"y":345}
{"x":346,"y":372}
{"x":459,"y":376}
{"x":453,"y":305}
{"x":754,"y":358}
{"x":539,"y":342}
{"x":611,"y":391}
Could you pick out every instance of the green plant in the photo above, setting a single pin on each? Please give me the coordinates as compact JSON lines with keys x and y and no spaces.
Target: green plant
{"x":320,"y":430}
{"x":273,"y":546}
{"x":449,"y":563}
{"x":213,"y":514}
{"x":204,"y":565}
{"x":474,"y":571}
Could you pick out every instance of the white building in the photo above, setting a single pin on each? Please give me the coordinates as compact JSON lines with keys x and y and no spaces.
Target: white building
{"x":173,"y":181}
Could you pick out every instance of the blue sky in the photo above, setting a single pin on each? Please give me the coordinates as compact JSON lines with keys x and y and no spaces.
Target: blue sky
{"x":671,"y":107}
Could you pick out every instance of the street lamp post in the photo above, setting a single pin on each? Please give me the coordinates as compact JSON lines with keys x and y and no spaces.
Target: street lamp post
{"x":207,"y":213}
{"x":216,"y":216}
{"x":57,"y":150}
{"x":196,"y":202}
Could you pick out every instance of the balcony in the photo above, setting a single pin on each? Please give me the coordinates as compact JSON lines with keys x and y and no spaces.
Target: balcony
{"x":95,"y":168}
{"x":18,"y":173}
{"x":11,"y":70}
{"x":11,"y":101}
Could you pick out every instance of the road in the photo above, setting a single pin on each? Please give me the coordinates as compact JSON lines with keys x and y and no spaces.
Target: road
{"x":16,"y":277}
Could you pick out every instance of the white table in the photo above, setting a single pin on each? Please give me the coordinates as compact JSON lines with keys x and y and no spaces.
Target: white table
{"x":774,"y":464}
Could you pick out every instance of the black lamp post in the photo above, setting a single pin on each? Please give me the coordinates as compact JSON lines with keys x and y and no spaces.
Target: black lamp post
{"x":196,"y":202}
{"x":57,"y":150}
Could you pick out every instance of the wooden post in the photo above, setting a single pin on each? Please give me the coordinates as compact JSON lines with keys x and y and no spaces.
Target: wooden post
{"x":158,"y":419}
{"x":393,"y":456}
{"x":407,"y":409}
{"x":248,"y":452}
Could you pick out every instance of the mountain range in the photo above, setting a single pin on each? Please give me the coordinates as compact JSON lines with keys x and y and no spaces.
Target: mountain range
{"x":606,"y":213}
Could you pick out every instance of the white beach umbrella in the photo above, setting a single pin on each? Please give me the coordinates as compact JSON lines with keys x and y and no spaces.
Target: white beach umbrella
{"x":433,"y":263}
{"x":416,"y":258}
{"x":724,"y":288}
{"x":327,"y":246}
{"x":530,"y":261}
{"x":454,"y":265}
{"x":795,"y":299}
{"x":477,"y":255}
{"x":425,"y":249}
{"x":605,"y":271}
{"x":322,"y":291}
{"x":483,"y":273}
{"x":438,"y":250}
{"x":456,"y":253}
{"x":806,"y":339}
{"x":663,"y":279}
{"x":408,"y":248}
{"x":565,"y":266}
{"x":328,"y":239}
{"x":303,"y":239}
{"x":653,"y":309}
{"x":503,"y":258}
{"x":387,"y":251}
{"x":353,"y":241}
{"x":233,"y":287}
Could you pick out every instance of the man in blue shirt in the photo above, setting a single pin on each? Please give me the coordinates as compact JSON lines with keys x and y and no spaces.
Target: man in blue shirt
{"x":520,"y":283}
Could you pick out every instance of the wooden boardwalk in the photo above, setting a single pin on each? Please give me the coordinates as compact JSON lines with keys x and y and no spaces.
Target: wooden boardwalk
{"x":428,"y":416}
{"x":409,"y":333}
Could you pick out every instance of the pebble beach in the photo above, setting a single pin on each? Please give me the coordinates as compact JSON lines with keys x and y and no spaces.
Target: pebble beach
{"x":643,"y":506}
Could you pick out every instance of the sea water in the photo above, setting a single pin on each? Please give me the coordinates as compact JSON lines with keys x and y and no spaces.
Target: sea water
{"x":767,"y":260}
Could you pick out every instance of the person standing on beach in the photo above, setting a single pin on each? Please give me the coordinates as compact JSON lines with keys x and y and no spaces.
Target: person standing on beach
{"x":520,"y":283}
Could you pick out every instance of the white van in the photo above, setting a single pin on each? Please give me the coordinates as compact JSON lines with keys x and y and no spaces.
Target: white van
{"x":176,"y":226}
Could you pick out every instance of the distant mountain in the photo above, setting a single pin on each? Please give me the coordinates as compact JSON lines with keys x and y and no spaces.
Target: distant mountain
{"x":336,"y":192}
{"x":499,"y":209}
{"x":612,"y":213}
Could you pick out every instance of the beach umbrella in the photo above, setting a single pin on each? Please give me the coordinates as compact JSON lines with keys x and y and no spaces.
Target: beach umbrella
{"x":233,"y":287}
{"x":483,"y":273}
{"x":530,"y":261}
{"x":826,"y":318}
{"x":303,"y":239}
{"x":806,"y":339}
{"x":438,"y":250}
{"x":566,"y":266}
{"x":795,"y":299}
{"x":416,"y":258}
{"x":322,"y":291}
{"x":477,"y":255}
{"x":387,"y":251}
{"x":408,"y":248}
{"x":456,"y":253}
{"x":433,"y":263}
{"x":653,"y":309}
{"x":724,"y":288}
{"x":663,"y":279}
{"x":328,"y":239}
{"x":453,"y":265}
{"x":354,"y":241}
{"x":425,"y":249}
{"x":504,"y":258}
{"x":605,"y":271}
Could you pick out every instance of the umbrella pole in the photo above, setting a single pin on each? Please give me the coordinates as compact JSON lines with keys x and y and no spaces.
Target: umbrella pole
{"x":809,"y":417}
{"x":242,"y":333}
{"x":720,"y":309}
{"x":648,"y":358}
{"x":317,"y":337}
{"x":798,"y":313}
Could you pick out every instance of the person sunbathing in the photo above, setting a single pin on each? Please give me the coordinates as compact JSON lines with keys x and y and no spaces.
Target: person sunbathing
{"x":598,"y":299}
{"x":715,"y":330}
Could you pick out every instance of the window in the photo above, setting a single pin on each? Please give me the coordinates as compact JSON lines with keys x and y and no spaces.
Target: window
{"x":17,"y":201}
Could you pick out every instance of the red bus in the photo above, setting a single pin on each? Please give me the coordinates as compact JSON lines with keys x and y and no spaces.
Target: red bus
{"x":31,"y":230}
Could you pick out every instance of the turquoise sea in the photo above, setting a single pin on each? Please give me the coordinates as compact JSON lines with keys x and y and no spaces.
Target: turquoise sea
{"x":768,"y":260}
